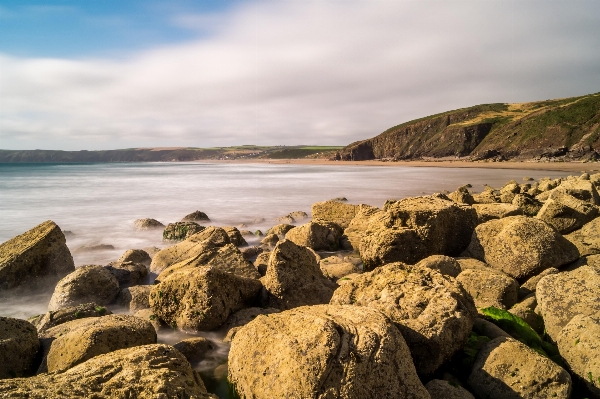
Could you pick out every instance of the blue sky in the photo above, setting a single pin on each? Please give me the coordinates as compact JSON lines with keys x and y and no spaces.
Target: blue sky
{"x":107,"y":74}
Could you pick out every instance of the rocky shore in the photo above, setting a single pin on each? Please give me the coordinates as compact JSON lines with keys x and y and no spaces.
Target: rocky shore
{"x":492,"y":294}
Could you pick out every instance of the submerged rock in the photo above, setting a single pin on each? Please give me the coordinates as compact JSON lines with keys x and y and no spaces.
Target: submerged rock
{"x":147,"y":224}
{"x":440,"y":389}
{"x":18,"y":348}
{"x":181,"y":230}
{"x":196,"y":216}
{"x":86,"y":284}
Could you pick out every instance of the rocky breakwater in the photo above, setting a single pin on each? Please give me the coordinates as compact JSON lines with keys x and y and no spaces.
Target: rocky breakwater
{"x":488,"y":295}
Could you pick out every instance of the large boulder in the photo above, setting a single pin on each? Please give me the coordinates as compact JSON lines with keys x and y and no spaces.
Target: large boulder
{"x":86,"y":284}
{"x":149,"y":371}
{"x":414,"y":228}
{"x":489,"y":287}
{"x":462,"y":196}
{"x":433,"y":312}
{"x":235,"y":236}
{"x":347,"y":352}
{"x":528,"y":287}
{"x":293,"y":278}
{"x":201,"y":298}
{"x":507,"y":369}
{"x":442,"y":263}
{"x":35,"y":259}
{"x":136,"y":256}
{"x":70,"y":313}
{"x":336,"y":212}
{"x":19,"y":346}
{"x":579,"y":347}
{"x":76,"y":341}
{"x":566,"y":213}
{"x":487,"y":212}
{"x":280,"y":229}
{"x":181,"y":230}
{"x":528,"y":204}
{"x":359,"y":224}
{"x":128,"y":273}
{"x":587,"y":239}
{"x":562,"y":296}
{"x":135,"y":298}
{"x":520,"y":246}
{"x":318,"y":236}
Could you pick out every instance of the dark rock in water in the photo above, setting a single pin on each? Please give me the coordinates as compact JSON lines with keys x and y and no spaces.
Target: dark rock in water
{"x":147,"y":224}
{"x":293,"y":217}
{"x":128,"y":273}
{"x":258,"y":233}
{"x":196,"y":216}
{"x":86,"y":284}
{"x":194,"y":349}
{"x":136,"y":256}
{"x":54,"y":318}
{"x":251,"y":252}
{"x":93,"y":248}
{"x":35,"y":259}
{"x":68,"y":233}
{"x":339,"y":199}
{"x":19,"y":345}
{"x":181,"y":230}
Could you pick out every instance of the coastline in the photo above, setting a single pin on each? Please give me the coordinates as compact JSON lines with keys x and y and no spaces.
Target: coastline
{"x":577,"y":167}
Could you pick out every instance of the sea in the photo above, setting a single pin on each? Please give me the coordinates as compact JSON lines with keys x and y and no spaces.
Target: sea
{"x":97,"y":204}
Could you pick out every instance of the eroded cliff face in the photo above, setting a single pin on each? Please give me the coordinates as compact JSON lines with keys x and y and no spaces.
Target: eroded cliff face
{"x":547,"y":129}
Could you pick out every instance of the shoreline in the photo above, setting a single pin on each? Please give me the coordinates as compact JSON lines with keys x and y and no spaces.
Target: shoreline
{"x":577,"y":167}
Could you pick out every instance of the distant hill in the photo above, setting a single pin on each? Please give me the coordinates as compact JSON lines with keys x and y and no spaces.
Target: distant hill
{"x":162,"y":154}
{"x":565,"y":129}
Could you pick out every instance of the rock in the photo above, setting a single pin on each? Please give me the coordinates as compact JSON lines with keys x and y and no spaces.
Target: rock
{"x":298,"y":215}
{"x":443,"y":264}
{"x":489,"y":329}
{"x":194,"y":349}
{"x":462,"y":196}
{"x":334,"y":267}
{"x":261,"y":263}
{"x":150,"y":371}
{"x":270,"y":240}
{"x":323,"y":351}
{"x":147,"y":224}
{"x":86,"y":284}
{"x":471,"y":263}
{"x":148,"y":315}
{"x":579,"y":347}
{"x":506,"y":369}
{"x":35,"y":259}
{"x":520,"y":246}
{"x":79,"y":340}
{"x":318,"y":236}
{"x":201,"y":298}
{"x":196,"y":216}
{"x":440,"y":389}
{"x":250,"y":253}
{"x":528,"y":287}
{"x":181,"y":230}
{"x":235,"y":236}
{"x":18,"y":348}
{"x":136,"y":256}
{"x":128,"y":273}
{"x":284,"y":220}
{"x":487,"y":197}
{"x":487,"y":212}
{"x":246,"y":233}
{"x":432,"y":311}
{"x":333,"y":212}
{"x":581,"y":189}
{"x":587,"y":239}
{"x":293,"y":278}
{"x":245,"y":316}
{"x":258,"y":233}
{"x":94,"y":248}
{"x":529,"y":205}
{"x":526,"y":311}
{"x":566,"y":213}
{"x":414,"y":228}
{"x":135,"y":298}
{"x":357,"y":226}
{"x":151,"y":251}
{"x":63,"y":315}
{"x":280,"y":229}
{"x":562,"y":296}
{"x":490,"y":288}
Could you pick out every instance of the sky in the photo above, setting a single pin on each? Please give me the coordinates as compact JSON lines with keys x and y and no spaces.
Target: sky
{"x":108,"y":74}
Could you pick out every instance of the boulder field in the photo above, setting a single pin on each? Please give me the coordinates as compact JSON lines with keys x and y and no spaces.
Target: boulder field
{"x":467,"y":295}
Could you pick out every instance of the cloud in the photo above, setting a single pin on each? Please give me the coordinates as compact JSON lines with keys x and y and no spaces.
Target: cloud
{"x":303,"y":73}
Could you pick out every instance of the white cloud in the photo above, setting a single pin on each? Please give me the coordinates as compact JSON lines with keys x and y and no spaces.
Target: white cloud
{"x":304,"y":72}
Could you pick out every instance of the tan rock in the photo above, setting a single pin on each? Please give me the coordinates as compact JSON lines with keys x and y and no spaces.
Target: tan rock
{"x":18,"y":348}
{"x":507,"y":369}
{"x":280,"y":229}
{"x":149,"y":371}
{"x":489,"y":329}
{"x":136,"y":256}
{"x":128,"y":273}
{"x":235,"y":236}
{"x":462,"y":196}
{"x":147,"y":224}
{"x":471,"y":263}
{"x":440,"y":389}
{"x":528,"y":204}
{"x":336,"y":212}
{"x":528,"y":287}
{"x":270,"y":240}
{"x":201,"y":298}
{"x":293,"y":278}
{"x":443,"y":264}
{"x":520,"y":246}
{"x":245,"y":316}
{"x":486,"y":197}
{"x":526,"y":311}
{"x":262,"y":262}
{"x":359,"y":224}
{"x":490,"y":288}
{"x":318,"y":236}
{"x":196,"y":216}
{"x":566,"y":213}
{"x":135,"y":298}
{"x":323,"y":352}
{"x":148,"y":315}
{"x":63,"y":315}
{"x":487,"y":212}
{"x":194,"y":349}
{"x":587,"y":239}
{"x":35,"y":259}
{"x":86,"y":284}
{"x":433,"y":312}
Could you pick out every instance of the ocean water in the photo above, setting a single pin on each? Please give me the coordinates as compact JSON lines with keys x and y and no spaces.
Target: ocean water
{"x":98,"y":203}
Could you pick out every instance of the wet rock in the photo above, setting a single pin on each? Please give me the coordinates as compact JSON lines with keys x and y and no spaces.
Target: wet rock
{"x":528,"y":287}
{"x":323,"y":351}
{"x":587,"y":239}
{"x":35,"y":259}
{"x":201,"y":298}
{"x":64,"y":315}
{"x":359,"y":224}
{"x":181,"y":230}
{"x":318,"y":236}
{"x":135,"y":298}
{"x":490,"y":288}
{"x":270,"y":240}
{"x":293,"y":278}
{"x":147,"y":224}
{"x":579,"y":347}
{"x":136,"y":256}
{"x":141,"y":372}
{"x":235,"y":236}
{"x":487,"y":212}
{"x":79,"y":340}
{"x":128,"y":273}
{"x":433,"y":312}
{"x":566,"y":213}
{"x":18,"y":348}
{"x":529,"y":205}
{"x":336,"y":212}
{"x":520,"y":246}
{"x":443,"y":264}
{"x":194,"y":349}
{"x":86,"y":284}
{"x":440,"y":389}
{"x":196,"y":216}
{"x":564,"y":295}
{"x":280,"y":229}
{"x":507,"y":369}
